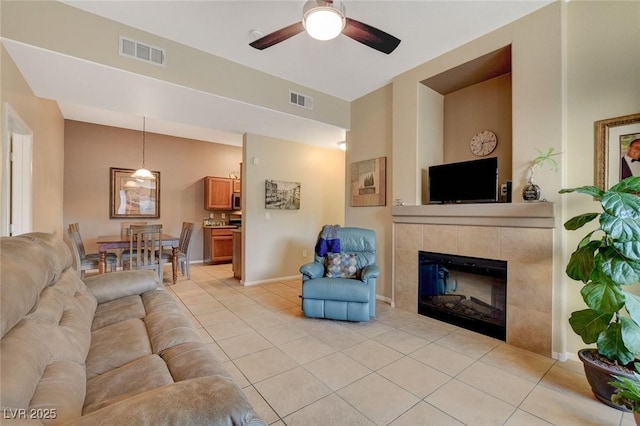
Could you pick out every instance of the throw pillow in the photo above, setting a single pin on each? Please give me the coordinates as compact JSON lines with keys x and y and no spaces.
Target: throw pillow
{"x":341,"y":265}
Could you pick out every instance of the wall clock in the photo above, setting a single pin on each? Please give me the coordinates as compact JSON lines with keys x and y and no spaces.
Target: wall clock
{"x":483,"y":143}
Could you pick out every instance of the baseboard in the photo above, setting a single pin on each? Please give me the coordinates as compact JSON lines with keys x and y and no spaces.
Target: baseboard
{"x":271,"y":280}
{"x":384,"y":299}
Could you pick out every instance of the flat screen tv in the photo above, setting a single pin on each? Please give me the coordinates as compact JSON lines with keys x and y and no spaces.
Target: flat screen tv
{"x":474,"y":181}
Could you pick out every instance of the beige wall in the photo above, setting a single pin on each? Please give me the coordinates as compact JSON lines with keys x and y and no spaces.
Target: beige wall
{"x":55,"y":26}
{"x":602,"y":62}
{"x":370,"y":137}
{"x":90,"y":150}
{"x":536,"y":100}
{"x":273,"y":247}
{"x":573,"y":63}
{"x":482,"y":106}
{"x":45,"y":121}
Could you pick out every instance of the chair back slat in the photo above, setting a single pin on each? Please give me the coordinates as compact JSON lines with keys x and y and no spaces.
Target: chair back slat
{"x":76,"y":239}
{"x":144,"y":240}
{"x":185,"y":237}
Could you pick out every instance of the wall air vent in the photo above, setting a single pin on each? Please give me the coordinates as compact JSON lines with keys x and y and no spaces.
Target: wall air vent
{"x":142,"y":51}
{"x":303,"y":101}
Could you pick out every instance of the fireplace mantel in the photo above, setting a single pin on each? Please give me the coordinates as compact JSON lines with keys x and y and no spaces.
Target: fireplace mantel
{"x":519,"y":233}
{"x":515,"y":215}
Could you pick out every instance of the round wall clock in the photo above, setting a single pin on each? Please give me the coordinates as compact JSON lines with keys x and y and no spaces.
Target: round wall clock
{"x":483,"y":143}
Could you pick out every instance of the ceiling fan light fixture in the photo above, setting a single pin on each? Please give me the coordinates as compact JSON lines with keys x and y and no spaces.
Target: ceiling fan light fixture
{"x":323,"y":20}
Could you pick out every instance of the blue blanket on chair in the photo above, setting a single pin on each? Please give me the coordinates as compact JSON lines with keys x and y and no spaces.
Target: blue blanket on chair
{"x":329,"y":240}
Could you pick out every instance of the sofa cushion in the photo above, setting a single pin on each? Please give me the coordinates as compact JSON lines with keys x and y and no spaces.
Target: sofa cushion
{"x":191,"y":360}
{"x":116,"y":345}
{"x":43,"y":355}
{"x":118,"y":310}
{"x":140,"y":375}
{"x":342,"y":289}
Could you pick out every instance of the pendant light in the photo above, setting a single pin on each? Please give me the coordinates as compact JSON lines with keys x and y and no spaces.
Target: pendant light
{"x":143,"y":173}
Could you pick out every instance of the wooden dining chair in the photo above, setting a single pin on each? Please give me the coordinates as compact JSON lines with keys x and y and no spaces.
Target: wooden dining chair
{"x":184,"y":249}
{"x":87,"y":261}
{"x":125,"y":227}
{"x":144,"y":241}
{"x":125,"y":231}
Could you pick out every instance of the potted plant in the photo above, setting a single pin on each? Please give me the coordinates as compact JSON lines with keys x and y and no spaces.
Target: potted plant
{"x":531,"y":191}
{"x":607,"y":261}
{"x":627,"y":392}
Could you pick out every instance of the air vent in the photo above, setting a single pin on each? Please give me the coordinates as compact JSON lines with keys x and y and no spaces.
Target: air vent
{"x":142,"y":51}
{"x":300,"y":100}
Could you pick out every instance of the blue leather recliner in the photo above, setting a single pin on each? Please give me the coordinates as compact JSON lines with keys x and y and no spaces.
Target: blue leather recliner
{"x":335,"y":296}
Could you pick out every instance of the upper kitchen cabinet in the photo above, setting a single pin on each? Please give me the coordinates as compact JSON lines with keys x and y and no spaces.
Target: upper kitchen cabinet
{"x":218,"y":193}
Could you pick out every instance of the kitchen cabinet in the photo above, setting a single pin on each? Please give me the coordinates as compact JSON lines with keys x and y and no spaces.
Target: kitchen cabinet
{"x":218,"y":192}
{"x":237,"y":253}
{"x":218,"y":245}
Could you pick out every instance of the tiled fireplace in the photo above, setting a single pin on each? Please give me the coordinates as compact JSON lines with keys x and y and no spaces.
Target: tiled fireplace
{"x":519,"y":233}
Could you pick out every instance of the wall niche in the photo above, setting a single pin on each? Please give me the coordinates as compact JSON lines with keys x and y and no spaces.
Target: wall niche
{"x":475,"y":96}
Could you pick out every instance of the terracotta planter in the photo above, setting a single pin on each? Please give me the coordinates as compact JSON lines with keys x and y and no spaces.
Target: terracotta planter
{"x":637,"y":417}
{"x":599,"y":375}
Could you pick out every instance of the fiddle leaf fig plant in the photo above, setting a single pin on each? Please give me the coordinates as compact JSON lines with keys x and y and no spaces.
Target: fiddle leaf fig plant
{"x":627,"y":390}
{"x":607,"y":260}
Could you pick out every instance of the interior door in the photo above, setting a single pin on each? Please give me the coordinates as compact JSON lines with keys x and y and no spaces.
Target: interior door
{"x":17,"y":149}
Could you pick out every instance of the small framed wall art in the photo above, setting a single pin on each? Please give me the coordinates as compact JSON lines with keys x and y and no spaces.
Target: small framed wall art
{"x":282,"y":195}
{"x":368,"y":182}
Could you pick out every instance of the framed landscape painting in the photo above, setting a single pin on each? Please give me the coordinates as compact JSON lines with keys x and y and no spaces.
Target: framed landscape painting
{"x":282,"y":195}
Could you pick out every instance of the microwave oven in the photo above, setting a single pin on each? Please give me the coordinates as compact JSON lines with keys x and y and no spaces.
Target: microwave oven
{"x":236,"y":201}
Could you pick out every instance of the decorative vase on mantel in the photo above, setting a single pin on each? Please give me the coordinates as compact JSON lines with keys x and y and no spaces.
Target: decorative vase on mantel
{"x":531,"y":191}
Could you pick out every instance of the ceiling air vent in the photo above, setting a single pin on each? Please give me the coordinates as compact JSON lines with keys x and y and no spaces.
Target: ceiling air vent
{"x":303,"y":101}
{"x":142,"y":51}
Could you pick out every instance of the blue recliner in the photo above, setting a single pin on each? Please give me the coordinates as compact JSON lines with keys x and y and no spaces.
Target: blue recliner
{"x":342,"y":286}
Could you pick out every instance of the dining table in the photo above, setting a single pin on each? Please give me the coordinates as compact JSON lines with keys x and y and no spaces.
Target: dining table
{"x":106,"y":242}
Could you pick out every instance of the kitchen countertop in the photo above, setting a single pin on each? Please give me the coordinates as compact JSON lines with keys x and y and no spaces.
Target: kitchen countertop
{"x":221,"y":227}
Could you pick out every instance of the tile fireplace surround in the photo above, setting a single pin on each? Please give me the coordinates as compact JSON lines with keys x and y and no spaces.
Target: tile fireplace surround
{"x":520,"y":233}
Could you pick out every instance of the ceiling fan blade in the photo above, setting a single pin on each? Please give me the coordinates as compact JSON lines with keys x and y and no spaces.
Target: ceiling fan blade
{"x":371,"y":36}
{"x":277,"y":36}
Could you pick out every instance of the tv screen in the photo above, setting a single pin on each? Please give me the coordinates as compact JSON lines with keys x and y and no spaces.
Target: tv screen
{"x":474,"y":181}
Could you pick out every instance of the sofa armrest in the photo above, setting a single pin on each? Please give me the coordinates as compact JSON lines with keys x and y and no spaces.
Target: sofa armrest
{"x":115,"y":285}
{"x":370,"y":271}
{"x":209,"y":400}
{"x":312,"y":270}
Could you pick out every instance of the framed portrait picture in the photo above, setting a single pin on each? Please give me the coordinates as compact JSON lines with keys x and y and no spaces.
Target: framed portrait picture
{"x":617,"y":145}
{"x":133,"y":197}
{"x":369,"y":182}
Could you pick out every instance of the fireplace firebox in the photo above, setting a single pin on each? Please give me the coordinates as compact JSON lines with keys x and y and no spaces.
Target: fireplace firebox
{"x":469,"y":292}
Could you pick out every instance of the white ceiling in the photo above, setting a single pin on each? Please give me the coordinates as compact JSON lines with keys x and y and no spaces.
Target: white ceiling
{"x":342,"y":67}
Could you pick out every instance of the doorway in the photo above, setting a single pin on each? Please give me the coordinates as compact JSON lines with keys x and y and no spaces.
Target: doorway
{"x":17,"y":150}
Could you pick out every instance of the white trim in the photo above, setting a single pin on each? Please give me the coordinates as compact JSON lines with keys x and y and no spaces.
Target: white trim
{"x":271,"y":280}
{"x":12,"y":124}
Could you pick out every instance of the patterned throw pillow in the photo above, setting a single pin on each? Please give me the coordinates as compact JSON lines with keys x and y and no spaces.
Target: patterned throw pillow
{"x":341,"y":265}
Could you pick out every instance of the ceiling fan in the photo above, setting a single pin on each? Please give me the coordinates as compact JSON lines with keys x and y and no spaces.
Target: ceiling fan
{"x":325,"y":20}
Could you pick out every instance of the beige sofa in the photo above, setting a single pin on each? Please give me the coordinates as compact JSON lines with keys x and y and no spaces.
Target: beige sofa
{"x":112,"y":349}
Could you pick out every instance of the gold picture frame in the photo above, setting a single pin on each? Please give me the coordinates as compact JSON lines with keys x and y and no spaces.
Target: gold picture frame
{"x":612,"y":135}
{"x":369,"y":182}
{"x":133,"y":197}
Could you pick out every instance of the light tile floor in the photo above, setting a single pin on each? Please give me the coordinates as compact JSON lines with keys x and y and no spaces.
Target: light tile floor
{"x":398,"y":369}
